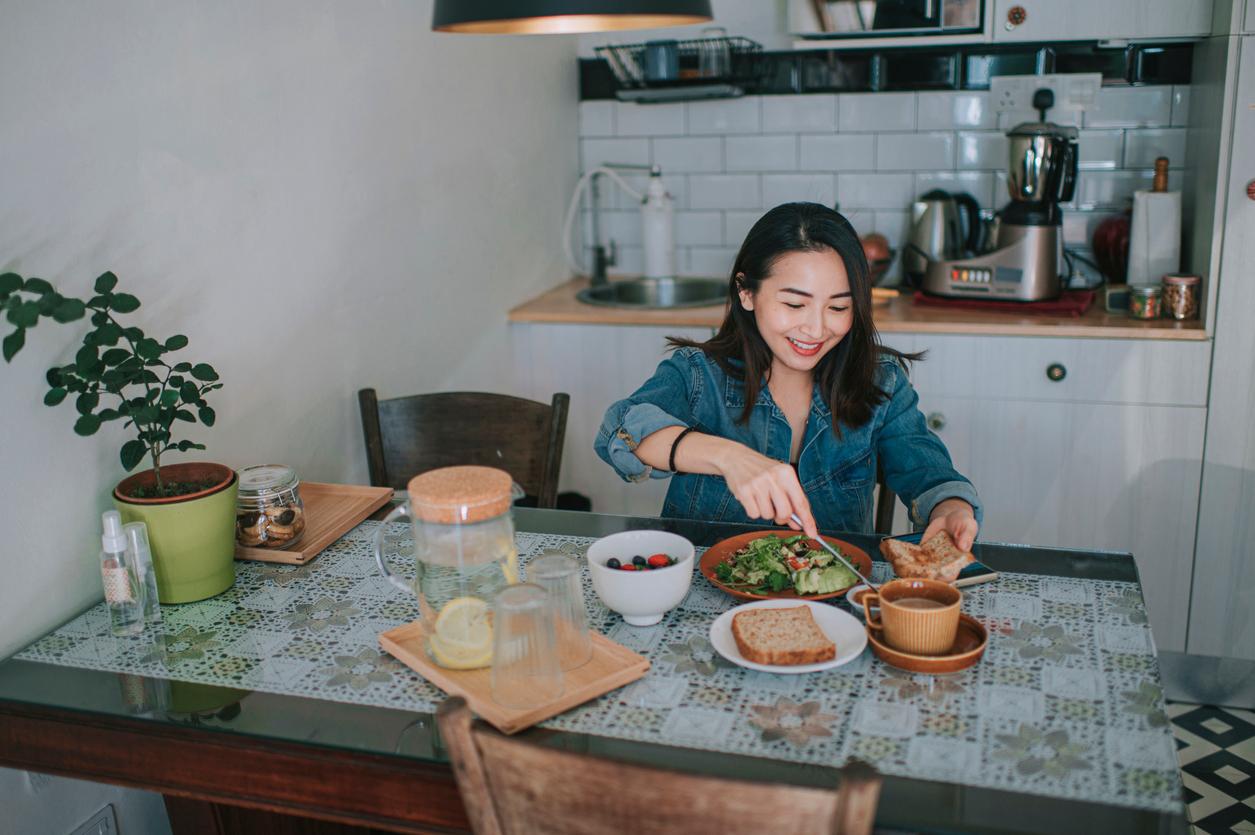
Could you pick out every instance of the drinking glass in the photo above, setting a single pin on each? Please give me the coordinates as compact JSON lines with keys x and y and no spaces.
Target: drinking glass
{"x":526,"y":672}
{"x":559,"y":575}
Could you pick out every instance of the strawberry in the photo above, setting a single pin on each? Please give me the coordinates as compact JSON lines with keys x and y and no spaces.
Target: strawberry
{"x":659,"y":561}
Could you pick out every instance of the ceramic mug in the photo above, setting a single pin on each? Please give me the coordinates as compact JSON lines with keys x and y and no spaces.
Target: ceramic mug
{"x":916,"y":616}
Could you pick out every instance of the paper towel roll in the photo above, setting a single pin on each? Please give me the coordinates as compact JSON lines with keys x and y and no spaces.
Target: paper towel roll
{"x":1155,"y":236}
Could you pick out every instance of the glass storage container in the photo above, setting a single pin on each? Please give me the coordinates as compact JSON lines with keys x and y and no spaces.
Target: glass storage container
{"x":1145,"y":301}
{"x":268,"y":510}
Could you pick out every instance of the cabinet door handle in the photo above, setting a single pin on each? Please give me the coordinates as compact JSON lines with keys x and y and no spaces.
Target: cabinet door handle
{"x":1015,"y":16}
{"x":936,"y":421}
{"x":1056,"y":372}
{"x":1250,"y":190}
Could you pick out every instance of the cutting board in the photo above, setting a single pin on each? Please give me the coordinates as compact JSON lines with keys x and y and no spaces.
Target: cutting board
{"x":612,"y":666}
{"x":331,"y":511}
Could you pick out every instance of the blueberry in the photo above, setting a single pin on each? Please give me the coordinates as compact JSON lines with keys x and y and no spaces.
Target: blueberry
{"x":613,"y":562}
{"x":638,"y":560}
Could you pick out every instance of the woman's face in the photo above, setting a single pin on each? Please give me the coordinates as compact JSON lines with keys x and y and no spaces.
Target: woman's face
{"x":803,"y":308}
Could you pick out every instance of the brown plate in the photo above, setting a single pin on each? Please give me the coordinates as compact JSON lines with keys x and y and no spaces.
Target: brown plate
{"x":969,"y":646}
{"x":722,"y":551}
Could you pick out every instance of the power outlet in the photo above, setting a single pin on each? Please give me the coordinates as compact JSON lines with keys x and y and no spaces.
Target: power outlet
{"x":104,"y":822}
{"x":1073,"y":91}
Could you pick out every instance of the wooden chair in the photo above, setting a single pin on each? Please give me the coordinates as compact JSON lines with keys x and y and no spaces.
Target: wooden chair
{"x":886,"y":499}
{"x":409,"y":435}
{"x":513,"y":787}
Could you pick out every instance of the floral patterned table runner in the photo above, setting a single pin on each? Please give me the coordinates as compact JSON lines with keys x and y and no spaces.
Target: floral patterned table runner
{"x":1065,"y":703}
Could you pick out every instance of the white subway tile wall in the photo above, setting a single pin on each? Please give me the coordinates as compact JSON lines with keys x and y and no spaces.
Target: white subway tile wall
{"x":725,"y":162}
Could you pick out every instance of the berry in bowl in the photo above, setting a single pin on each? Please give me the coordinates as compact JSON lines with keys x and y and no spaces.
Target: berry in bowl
{"x":642,"y":575}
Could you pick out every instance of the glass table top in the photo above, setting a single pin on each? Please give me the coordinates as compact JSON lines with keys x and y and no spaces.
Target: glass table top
{"x":1062,"y":718}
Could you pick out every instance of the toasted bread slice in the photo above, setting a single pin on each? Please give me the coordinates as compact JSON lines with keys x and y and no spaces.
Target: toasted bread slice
{"x":937,"y":559}
{"x":946,"y":557}
{"x":781,"y":636}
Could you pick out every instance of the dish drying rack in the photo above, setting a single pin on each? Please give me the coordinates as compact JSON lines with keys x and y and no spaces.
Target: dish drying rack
{"x":736,"y":62}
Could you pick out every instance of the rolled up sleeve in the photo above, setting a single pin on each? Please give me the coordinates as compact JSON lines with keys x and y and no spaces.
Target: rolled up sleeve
{"x":916,"y":463}
{"x":664,"y":400}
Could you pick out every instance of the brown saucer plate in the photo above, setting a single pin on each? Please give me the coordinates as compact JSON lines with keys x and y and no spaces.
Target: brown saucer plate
{"x":722,"y":551}
{"x":969,"y":646}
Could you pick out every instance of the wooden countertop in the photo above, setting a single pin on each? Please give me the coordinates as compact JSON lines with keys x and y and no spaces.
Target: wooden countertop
{"x":894,"y":315}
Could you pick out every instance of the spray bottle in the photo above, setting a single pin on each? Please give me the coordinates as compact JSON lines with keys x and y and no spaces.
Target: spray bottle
{"x":658,"y":228}
{"x":124,"y":595}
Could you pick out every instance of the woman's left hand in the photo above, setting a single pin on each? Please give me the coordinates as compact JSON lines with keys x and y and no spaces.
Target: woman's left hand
{"x":955,"y":516}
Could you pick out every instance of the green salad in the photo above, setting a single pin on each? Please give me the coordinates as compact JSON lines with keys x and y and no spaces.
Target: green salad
{"x":771,"y":564}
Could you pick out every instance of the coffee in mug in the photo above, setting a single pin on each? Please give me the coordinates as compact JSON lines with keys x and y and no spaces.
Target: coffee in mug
{"x":916,"y":615}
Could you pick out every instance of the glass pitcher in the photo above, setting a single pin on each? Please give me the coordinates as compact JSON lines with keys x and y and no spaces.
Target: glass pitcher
{"x":464,"y":553}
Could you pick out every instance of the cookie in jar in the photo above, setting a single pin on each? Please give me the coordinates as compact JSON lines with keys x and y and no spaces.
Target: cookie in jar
{"x":269,"y":512}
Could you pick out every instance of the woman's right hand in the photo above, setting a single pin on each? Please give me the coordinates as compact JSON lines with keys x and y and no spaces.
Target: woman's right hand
{"x":766,"y":488}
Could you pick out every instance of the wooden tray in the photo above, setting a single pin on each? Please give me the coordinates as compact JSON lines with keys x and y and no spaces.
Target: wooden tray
{"x":331,"y":511}
{"x":612,"y":666}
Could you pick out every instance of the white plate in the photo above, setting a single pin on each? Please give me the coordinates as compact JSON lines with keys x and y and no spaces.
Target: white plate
{"x":842,"y":628}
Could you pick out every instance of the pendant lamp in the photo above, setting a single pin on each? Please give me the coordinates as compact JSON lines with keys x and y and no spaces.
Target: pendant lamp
{"x":543,"y":17}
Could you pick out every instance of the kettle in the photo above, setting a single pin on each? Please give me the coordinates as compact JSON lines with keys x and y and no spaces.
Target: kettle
{"x":944,"y":226}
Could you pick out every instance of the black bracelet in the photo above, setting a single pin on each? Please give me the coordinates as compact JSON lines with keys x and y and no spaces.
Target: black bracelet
{"x":676,"y":443}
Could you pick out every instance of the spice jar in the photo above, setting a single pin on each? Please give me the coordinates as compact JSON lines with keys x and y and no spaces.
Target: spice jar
{"x":269,"y":512}
{"x":1180,"y":295}
{"x":1145,"y":301}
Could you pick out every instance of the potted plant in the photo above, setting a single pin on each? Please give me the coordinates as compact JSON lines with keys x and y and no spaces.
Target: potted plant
{"x":120,"y":373}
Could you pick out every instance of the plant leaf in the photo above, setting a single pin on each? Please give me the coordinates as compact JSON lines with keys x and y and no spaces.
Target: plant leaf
{"x":87,"y":402}
{"x":204,"y":372}
{"x":87,"y":425}
{"x":169,"y":397}
{"x":189,"y":392}
{"x":9,"y":282}
{"x":114,"y":356}
{"x":37,"y":285}
{"x":132,"y":453}
{"x":87,"y":355}
{"x":183,"y":367}
{"x":13,"y":343}
{"x":134,"y":334}
{"x":124,"y":302}
{"x":69,"y":310}
{"x":54,"y":396}
{"x":105,"y":283}
{"x":176,"y":342}
{"x":148,"y":349}
{"x":24,"y":314}
{"x":184,"y":414}
{"x":207,"y":415}
{"x":108,"y":414}
{"x":108,"y":334}
{"x":49,"y":302}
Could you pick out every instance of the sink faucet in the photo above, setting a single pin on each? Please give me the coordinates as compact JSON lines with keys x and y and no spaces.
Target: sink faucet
{"x":604,"y":256}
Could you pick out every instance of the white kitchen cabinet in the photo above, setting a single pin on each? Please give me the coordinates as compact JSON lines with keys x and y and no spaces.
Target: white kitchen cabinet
{"x":1222,"y":617}
{"x":1099,"y":476}
{"x":1061,"y":20}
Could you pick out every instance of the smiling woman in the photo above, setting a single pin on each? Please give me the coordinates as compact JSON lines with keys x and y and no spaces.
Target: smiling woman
{"x":793,"y":404}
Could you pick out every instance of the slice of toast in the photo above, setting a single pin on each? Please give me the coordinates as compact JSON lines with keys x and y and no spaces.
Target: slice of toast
{"x":937,"y":559}
{"x":781,"y":636}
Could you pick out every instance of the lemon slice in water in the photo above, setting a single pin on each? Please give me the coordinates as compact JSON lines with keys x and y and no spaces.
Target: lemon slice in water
{"x":463,"y":635}
{"x":510,"y":568}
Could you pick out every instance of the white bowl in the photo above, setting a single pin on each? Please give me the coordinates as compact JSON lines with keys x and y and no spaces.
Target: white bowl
{"x":642,"y":597}
{"x":855,"y":598}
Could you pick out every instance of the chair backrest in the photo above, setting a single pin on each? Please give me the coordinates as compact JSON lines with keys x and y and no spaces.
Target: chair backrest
{"x":514,"y":787}
{"x":886,"y":499}
{"x":409,"y":435}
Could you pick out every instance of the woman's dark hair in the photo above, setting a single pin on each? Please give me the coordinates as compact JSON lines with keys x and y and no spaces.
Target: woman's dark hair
{"x":847,"y":374}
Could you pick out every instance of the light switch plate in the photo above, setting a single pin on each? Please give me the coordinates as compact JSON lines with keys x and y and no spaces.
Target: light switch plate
{"x":1073,"y":91}
{"x":103,"y":822}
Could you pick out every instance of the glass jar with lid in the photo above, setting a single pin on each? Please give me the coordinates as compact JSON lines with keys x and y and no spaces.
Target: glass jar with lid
{"x":1180,"y":295}
{"x":268,"y":510}
{"x":1145,"y":301}
{"x":462,"y":544}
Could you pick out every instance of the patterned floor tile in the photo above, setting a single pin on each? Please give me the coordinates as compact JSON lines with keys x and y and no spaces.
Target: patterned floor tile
{"x":1216,"y":751}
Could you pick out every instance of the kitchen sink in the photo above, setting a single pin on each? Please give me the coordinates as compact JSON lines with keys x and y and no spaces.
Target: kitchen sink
{"x":657,"y":293}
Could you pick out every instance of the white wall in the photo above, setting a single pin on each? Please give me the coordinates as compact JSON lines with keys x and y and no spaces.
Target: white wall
{"x":322,"y":195}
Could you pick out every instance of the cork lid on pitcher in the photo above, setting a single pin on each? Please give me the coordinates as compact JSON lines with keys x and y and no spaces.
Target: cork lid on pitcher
{"x":461,"y":495}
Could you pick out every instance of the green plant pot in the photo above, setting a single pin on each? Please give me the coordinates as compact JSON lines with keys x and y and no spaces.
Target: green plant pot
{"x":192,"y":537}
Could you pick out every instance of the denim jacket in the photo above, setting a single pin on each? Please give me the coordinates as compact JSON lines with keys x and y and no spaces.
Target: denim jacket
{"x":837,"y":474}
